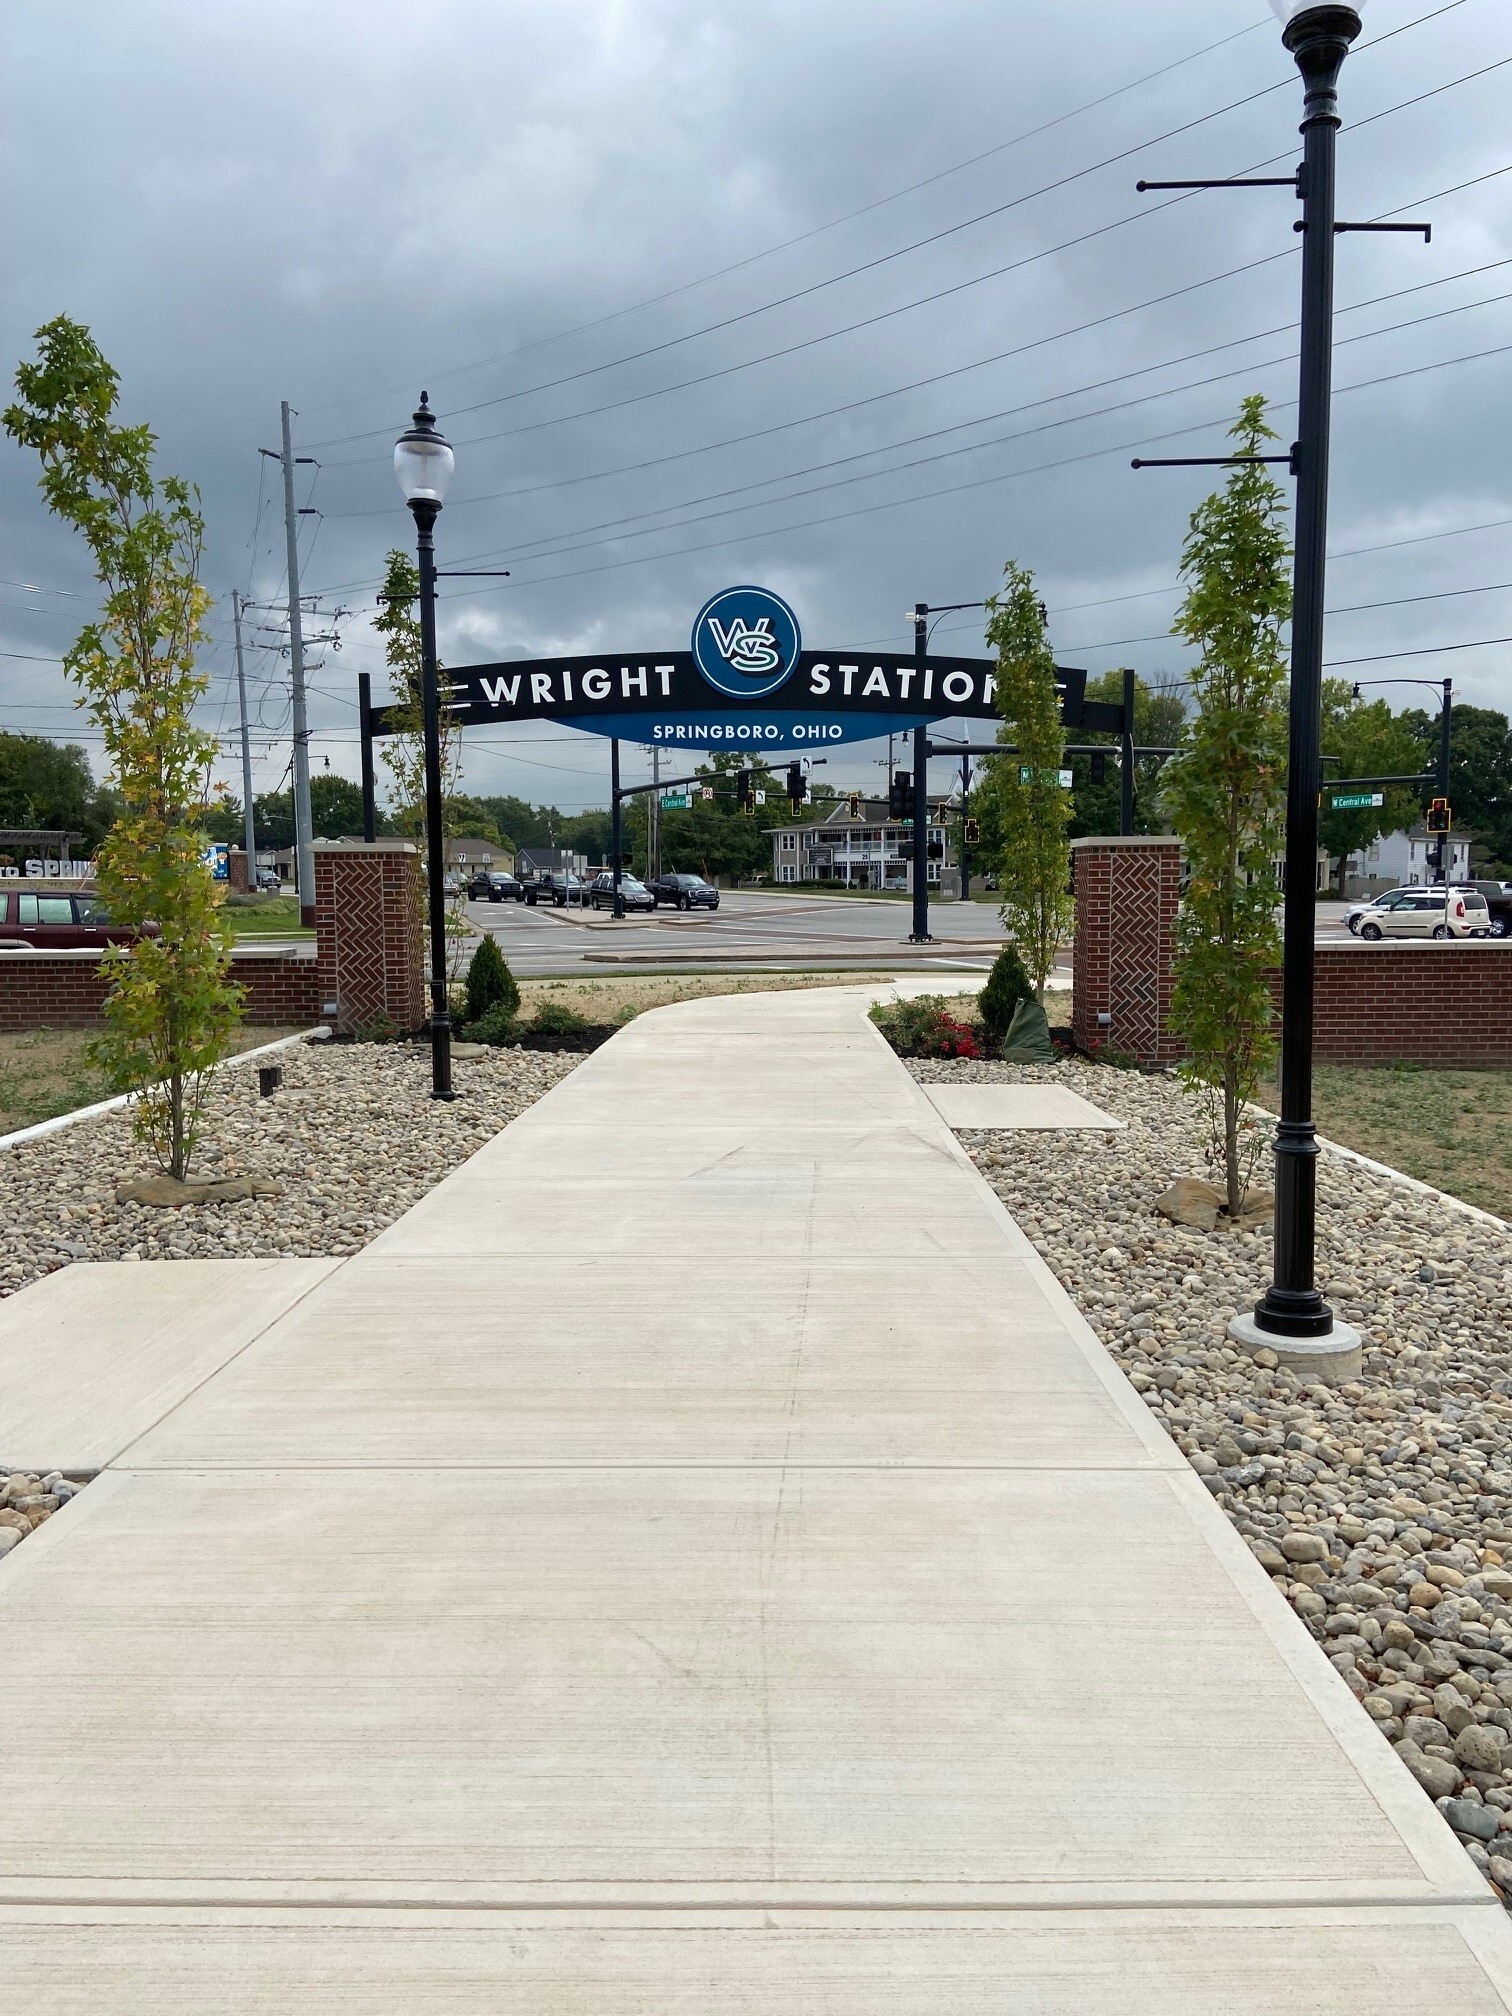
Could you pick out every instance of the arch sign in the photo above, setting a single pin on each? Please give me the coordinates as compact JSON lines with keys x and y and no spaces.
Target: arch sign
{"x":746,"y":682}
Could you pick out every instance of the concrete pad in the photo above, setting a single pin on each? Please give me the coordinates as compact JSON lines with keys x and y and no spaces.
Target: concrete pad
{"x":1360,"y":1962}
{"x":737,"y":1684}
{"x":1037,"y":1107}
{"x":96,"y":1353}
{"x":575,"y":1361}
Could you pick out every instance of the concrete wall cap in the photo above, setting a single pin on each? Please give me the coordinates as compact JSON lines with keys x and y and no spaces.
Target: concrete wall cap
{"x":364,"y":846}
{"x":1112,"y":840}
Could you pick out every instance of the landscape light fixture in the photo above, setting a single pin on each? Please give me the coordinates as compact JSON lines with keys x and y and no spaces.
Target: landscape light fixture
{"x":423,"y":464}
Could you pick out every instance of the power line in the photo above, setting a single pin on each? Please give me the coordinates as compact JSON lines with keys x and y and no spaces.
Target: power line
{"x":1132,"y":217}
{"x":984,"y":419}
{"x":818,"y":230}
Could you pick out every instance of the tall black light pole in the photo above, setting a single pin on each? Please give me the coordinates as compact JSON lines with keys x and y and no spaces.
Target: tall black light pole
{"x":920,"y":933}
{"x":1319,"y":38}
{"x":423,"y":463}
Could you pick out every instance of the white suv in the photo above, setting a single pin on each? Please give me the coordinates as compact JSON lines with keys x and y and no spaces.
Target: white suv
{"x":1425,"y":913}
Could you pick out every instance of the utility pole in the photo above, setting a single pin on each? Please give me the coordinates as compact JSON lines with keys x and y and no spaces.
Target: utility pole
{"x":249,"y":825}
{"x":303,"y":826}
{"x":965,"y":809}
{"x":1126,"y":757}
{"x":653,"y":817}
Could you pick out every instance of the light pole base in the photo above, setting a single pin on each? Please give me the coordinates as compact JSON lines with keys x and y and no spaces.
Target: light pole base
{"x":1332,"y":1358}
{"x":915,"y":938}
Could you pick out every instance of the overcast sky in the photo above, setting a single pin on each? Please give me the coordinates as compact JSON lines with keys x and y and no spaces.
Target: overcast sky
{"x":588,"y":225}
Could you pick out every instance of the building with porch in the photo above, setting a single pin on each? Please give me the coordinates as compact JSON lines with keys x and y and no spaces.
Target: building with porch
{"x":860,"y":851}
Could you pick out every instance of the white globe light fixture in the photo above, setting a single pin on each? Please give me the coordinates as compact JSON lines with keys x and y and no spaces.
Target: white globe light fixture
{"x":1286,"y":11}
{"x":423,"y":460}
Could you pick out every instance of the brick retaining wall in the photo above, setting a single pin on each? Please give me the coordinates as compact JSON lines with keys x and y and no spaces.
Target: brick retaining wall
{"x":65,"y":990}
{"x":367,"y":960}
{"x":1406,"y":1002}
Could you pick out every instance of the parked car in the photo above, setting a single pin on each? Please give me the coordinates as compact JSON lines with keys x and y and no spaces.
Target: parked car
{"x":269,"y":881}
{"x":1423,"y":913}
{"x":1357,"y":910}
{"x":634,"y":892}
{"x":555,"y":888}
{"x":60,"y":920}
{"x":684,"y":892}
{"x":1498,"y":902}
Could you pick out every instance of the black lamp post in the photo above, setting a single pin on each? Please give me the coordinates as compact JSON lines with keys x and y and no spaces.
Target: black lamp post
{"x":1319,"y":38}
{"x":423,"y":463}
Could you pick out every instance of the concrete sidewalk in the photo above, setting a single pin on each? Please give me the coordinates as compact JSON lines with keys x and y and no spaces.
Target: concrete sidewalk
{"x":697,"y":1561}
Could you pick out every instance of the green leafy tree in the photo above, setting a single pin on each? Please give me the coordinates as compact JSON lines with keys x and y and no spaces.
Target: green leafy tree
{"x":50,"y":784}
{"x":1159,"y":716}
{"x":172,"y":1007}
{"x":1225,"y":793}
{"x":1373,"y":742}
{"x":1480,"y":776}
{"x":1030,"y":810}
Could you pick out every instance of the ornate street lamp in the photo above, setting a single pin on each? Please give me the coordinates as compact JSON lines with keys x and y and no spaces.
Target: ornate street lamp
{"x":423,"y":463}
{"x":1319,"y":38}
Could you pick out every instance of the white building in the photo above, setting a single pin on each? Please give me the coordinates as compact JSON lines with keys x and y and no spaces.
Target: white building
{"x":861,"y":853}
{"x":1400,"y":860}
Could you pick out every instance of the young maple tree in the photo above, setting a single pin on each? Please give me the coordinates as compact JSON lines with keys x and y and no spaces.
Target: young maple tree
{"x":1030,"y":808}
{"x":172,"y":1006}
{"x":1225,"y":793}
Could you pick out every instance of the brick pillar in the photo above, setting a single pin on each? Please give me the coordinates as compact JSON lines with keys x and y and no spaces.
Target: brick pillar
{"x":370,"y":956}
{"x":1127,"y":894}
{"x":240,"y":880}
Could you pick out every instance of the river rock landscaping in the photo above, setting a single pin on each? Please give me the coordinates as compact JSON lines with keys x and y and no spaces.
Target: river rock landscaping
{"x":1381,"y":1508}
{"x":347,"y":1144}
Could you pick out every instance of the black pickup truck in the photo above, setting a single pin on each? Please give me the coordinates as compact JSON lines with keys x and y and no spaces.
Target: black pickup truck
{"x":1499,"y":902}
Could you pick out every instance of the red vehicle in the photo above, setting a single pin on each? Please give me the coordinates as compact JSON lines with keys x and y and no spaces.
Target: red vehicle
{"x":51,"y":919}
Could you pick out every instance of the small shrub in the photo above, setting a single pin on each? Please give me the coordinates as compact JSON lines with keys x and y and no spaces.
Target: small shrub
{"x":1007,"y":984}
{"x":925,"y":1028}
{"x":490,"y":983}
{"x":552,"y":1018}
{"x":497,"y":1026}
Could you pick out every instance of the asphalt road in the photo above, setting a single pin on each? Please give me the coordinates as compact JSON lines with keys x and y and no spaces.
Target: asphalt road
{"x":755,"y":927}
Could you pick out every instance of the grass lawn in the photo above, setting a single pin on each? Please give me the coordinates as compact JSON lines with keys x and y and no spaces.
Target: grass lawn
{"x":265,"y":917}
{"x":605,"y":1001}
{"x":43,"y":1073}
{"x":1452,"y":1129}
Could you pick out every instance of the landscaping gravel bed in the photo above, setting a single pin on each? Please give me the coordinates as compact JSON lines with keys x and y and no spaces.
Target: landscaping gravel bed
{"x":1382,"y":1508}
{"x":352,"y":1139}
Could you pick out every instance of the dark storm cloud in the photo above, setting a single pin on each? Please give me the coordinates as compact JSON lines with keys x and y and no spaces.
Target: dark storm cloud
{"x":336,"y":204}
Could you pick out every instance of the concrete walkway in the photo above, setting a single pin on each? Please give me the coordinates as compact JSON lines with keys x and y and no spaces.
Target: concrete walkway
{"x":696,"y":1563}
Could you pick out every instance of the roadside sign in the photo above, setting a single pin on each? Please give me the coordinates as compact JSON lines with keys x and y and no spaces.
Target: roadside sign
{"x":761,"y":797}
{"x":1357,"y":801}
{"x":1064,"y":778}
{"x":707,"y":791}
{"x":678,"y":802}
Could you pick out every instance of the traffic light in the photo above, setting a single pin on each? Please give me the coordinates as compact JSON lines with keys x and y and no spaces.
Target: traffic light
{"x":855,"y":804}
{"x":935,"y":850}
{"x":1099,"y":769}
{"x":973,"y":832}
{"x":744,"y":794}
{"x":797,"y":784}
{"x":900,"y":795}
{"x":1440,"y":819}
{"x":905,"y":850}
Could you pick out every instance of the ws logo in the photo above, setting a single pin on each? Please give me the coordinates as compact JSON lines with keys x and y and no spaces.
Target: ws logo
{"x":746,"y":642}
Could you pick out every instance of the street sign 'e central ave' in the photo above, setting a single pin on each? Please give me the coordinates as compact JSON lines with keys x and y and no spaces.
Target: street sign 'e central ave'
{"x":746,"y":683}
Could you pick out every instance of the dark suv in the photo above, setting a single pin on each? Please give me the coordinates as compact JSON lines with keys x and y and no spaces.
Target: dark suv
{"x":60,"y":920}
{"x":556,"y":888}
{"x":684,"y":892}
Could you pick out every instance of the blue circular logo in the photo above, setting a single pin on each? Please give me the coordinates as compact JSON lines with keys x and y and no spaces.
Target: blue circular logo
{"x":746,"y":642}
